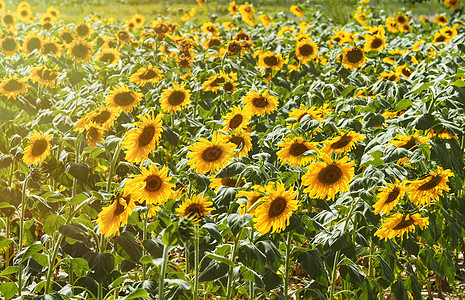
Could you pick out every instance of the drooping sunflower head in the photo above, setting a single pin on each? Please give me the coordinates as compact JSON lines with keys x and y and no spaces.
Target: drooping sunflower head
{"x":175,"y":99}
{"x":258,"y":104}
{"x":80,"y":51}
{"x":389,"y":196}
{"x":255,"y":194}
{"x":306,"y":50}
{"x":123,"y":98}
{"x":237,"y":119}
{"x":12,"y":87}
{"x":409,"y":142}
{"x":94,"y":134}
{"x":145,"y":75}
{"x":38,"y":148}
{"x":297,"y":11}
{"x":210,"y":156}
{"x":153,"y":185}
{"x":326,"y":179}
{"x":391,"y":76}
{"x":404,"y":71}
{"x":353,"y":58}
{"x":195,"y":208}
{"x":142,"y":140}
{"x":112,"y":217}
{"x":276,"y":209}
{"x":399,"y":224}
{"x":422,"y":191}
{"x":293,"y":150}
{"x":104,"y":116}
{"x":343,"y":143}
{"x":242,"y":141}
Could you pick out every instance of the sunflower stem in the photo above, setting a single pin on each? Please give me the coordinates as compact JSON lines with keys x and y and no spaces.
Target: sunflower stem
{"x":112,"y":166}
{"x":161,"y":281}
{"x":287,"y":265}
{"x":251,"y":284}
{"x":229,"y":287}
{"x":144,"y":237}
{"x":370,"y":259}
{"x":21,"y":232}
{"x":196,"y":261}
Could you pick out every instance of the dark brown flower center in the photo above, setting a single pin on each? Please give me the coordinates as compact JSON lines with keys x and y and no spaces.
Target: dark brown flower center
{"x":230,"y":182}
{"x":153,"y":183}
{"x":47,"y":74}
{"x":214,"y":42}
{"x":392,"y":195}
{"x":194,"y":210}
{"x":102,"y":117}
{"x":80,"y":50}
{"x":93,"y":133}
{"x":260,"y":102}
{"x":306,"y":50}
{"x":82,"y":30}
{"x":271,"y":61}
{"x":217,"y":82}
{"x":376,"y":43}
{"x":301,"y":116}
{"x":119,"y":209}
{"x":401,"y":19}
{"x":411,"y":144}
{"x":161,"y":29}
{"x":107,"y":58}
{"x":7,"y":19}
{"x":238,"y":140}
{"x":176,"y":98}
{"x":149,"y":74}
{"x":342,"y":142}
{"x":330,"y":175}
{"x":212,"y":154}
{"x":355,"y":56}
{"x":147,"y":135}
{"x":242,"y":36}
{"x":404,"y":223}
{"x":39,"y":147}
{"x":9,"y":44}
{"x":234,"y":47}
{"x":277,"y":207}
{"x":124,"y":98}
{"x":50,"y":48}
{"x":34,"y":43}
{"x":297,"y":149}
{"x":432,"y":183}
{"x":406,"y":72}
{"x":440,"y":38}
{"x":211,"y":28}
{"x":67,"y":37}
{"x":228,"y":86}
{"x":236,"y":121}
{"x":24,"y":13}
{"x":13,"y":85}
{"x":123,"y":35}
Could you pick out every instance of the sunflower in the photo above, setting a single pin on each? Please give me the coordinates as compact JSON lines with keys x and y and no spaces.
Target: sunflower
{"x":153,"y":185}
{"x":441,"y":134}
{"x":401,"y":20}
{"x":454,"y":4}
{"x":217,"y":183}
{"x":409,"y":142}
{"x":276,"y":209}
{"x":257,"y":192}
{"x":196,"y":207}
{"x":399,"y":224}
{"x":270,"y":60}
{"x":108,"y":56}
{"x":12,"y":87}
{"x":326,"y":179}
{"x":67,"y":36}
{"x":176,"y":98}
{"x":266,"y":20}
{"x":209,"y":28}
{"x":38,"y":148}
{"x":138,"y":19}
{"x":94,"y":134}
{"x":374,"y":42}
{"x":243,"y":142}
{"x":293,"y":149}
{"x":450,"y":32}
{"x":234,"y":47}
{"x":212,"y":42}
{"x":389,"y":196}
{"x":305,"y":51}
{"x":237,"y":119}
{"x":246,"y":11}
{"x":83,"y":30}
{"x":430,"y":188}
{"x":24,"y":13}
{"x":140,"y":141}
{"x":112,"y":217}
{"x":233,"y":9}
{"x":44,"y":75}
{"x":9,"y":46}
{"x":343,"y":143}
{"x":53,"y":12}
{"x":32,"y":42}
{"x":353,"y":58}
{"x":210,"y":156}
{"x":123,"y":36}
{"x":2,"y":6}
{"x":8,"y":19}
{"x":145,"y":75}
{"x":391,"y":76}
{"x":297,"y":11}
{"x":215,"y":82}
{"x":440,"y":38}
{"x":104,"y":116}
{"x":260,"y":104}
{"x":160,"y":29}
{"x":298,"y":114}
{"x":123,"y":98}
{"x":189,"y":14}
{"x":51,"y":47}
{"x":80,"y":50}
{"x":441,"y":20}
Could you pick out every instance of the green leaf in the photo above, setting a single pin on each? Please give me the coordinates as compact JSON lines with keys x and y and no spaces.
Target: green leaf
{"x":233,"y":169}
{"x":425,"y":121}
{"x":236,"y":222}
{"x":52,"y":222}
{"x":100,"y":263}
{"x":214,"y":270}
{"x":459,"y":83}
{"x":145,"y":259}
{"x":403,"y":104}
{"x":171,"y":136}
{"x":5,"y":161}
{"x":212,"y":229}
{"x":352,"y":274}
{"x":137,"y":293}
{"x":312,"y":263}
{"x":8,"y":289}
{"x":399,"y":291}
{"x":75,"y":231}
{"x":28,"y":252}
{"x":80,"y":171}
{"x":220,"y":258}
{"x":252,"y":257}
{"x":154,"y":247}
{"x":179,"y":282}
{"x":272,"y":254}
{"x":4,"y":242}
{"x":127,"y":247}
{"x":421,"y":87}
{"x":77,"y":199}
{"x":171,"y":235}
{"x":75,"y":77}
{"x":386,"y":271}
{"x":9,"y":270}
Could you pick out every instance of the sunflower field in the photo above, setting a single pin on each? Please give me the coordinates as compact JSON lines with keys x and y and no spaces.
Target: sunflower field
{"x":277,"y":155}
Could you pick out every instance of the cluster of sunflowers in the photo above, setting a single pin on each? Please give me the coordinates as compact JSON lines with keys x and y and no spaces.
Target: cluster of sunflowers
{"x":265,"y":147}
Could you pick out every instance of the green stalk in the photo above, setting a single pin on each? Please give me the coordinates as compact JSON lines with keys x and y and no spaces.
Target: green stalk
{"x":230,"y":272}
{"x":161,"y":281}
{"x":100,"y":291}
{"x":196,"y":261}
{"x":251,"y":284}
{"x":21,"y":231}
{"x":144,"y":237}
{"x":187,"y":254}
{"x":7,"y":220}
{"x":287,"y":265}
{"x":112,"y":166}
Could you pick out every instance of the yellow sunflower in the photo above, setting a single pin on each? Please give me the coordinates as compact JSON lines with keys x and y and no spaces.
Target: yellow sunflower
{"x":391,"y":75}
{"x":215,"y":82}
{"x":153,"y":185}
{"x":404,"y":71}
{"x":233,"y":9}
{"x":112,"y":217}
{"x":243,"y":142}
{"x":104,"y":116}
{"x":123,"y":36}
{"x":83,"y":30}
{"x":293,"y":149}
{"x":256,"y":193}
{"x":209,"y":28}
{"x":237,"y":119}
{"x":53,"y":12}
{"x":409,"y":142}
{"x":297,"y":11}
{"x":67,"y":36}
{"x":374,"y":42}
{"x":234,"y":48}
{"x":2,"y":6}
{"x":210,"y":156}
{"x":24,"y":13}
{"x":439,"y":37}
{"x":80,"y":50}
{"x":389,"y":196}
{"x":8,"y":19}
{"x":94,"y":134}
{"x":343,"y":143}
{"x":195,"y":208}
{"x":217,"y":183}
{"x":454,"y":4}
{"x":399,"y":224}
{"x":269,"y":60}
{"x":258,"y":104}
{"x":266,"y":20}
{"x":9,"y":46}
{"x":441,"y":20}
{"x":108,"y":56}
{"x":313,"y":112}
{"x":353,"y":58}
{"x":305,"y":51}
{"x":430,"y":188}
{"x":401,"y":20}
{"x":212,"y":42}
{"x":12,"y":87}
{"x":276,"y":209}
{"x":145,"y":75}
{"x":51,"y":47}
{"x":123,"y":98}
{"x":246,"y":11}
{"x":326,"y":179}
{"x":176,"y":98}
{"x":44,"y":75}
{"x":38,"y":148}
{"x":140,"y":141}
{"x":32,"y":42}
